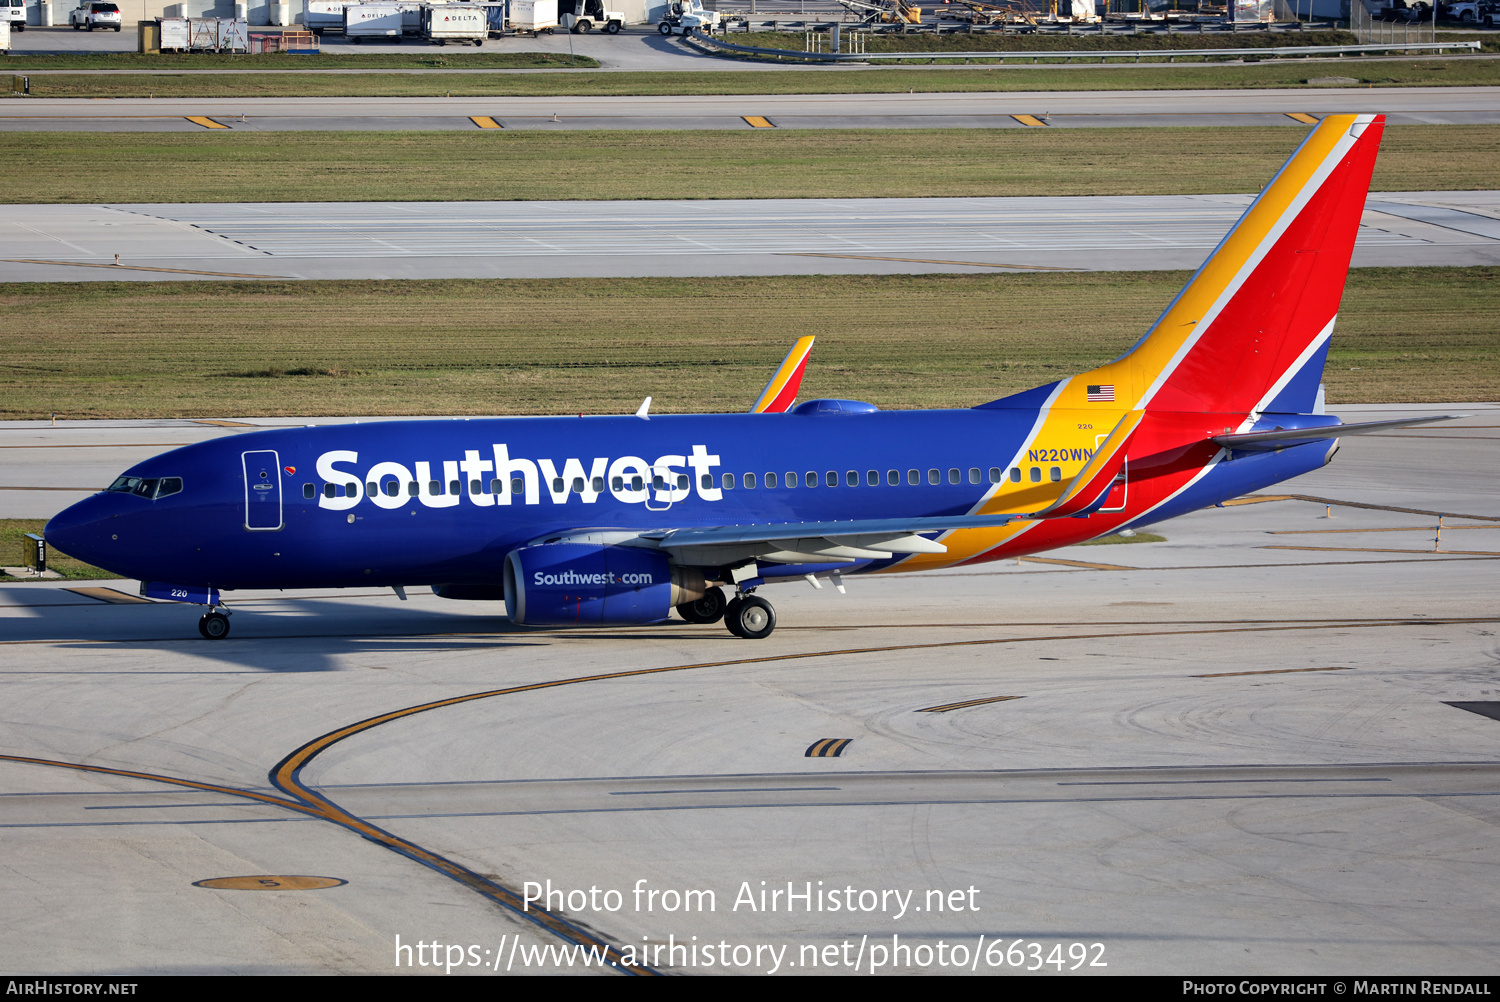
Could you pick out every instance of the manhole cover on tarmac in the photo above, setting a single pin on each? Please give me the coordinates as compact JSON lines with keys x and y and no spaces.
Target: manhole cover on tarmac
{"x":267,"y":882}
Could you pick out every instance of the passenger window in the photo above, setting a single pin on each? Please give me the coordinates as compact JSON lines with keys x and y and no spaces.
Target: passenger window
{"x":893,"y":477}
{"x":913,"y":477}
{"x":682,"y":481}
{"x":330,"y":490}
{"x":750,"y":482}
{"x":791,"y":479}
{"x":727,"y":480}
{"x":475,"y":487}
{"x":434,"y":488}
{"x":1036,"y":474}
{"x":412,"y":489}
{"x":455,"y":487}
{"x":1015,"y":474}
{"x":953,"y":476}
{"x":872,"y":478}
{"x":517,"y":485}
{"x":372,"y":489}
{"x":557,"y":485}
{"x":309,"y":491}
{"x":577,"y":485}
{"x":994,"y":474}
{"x":770,"y":481}
{"x":598,"y":485}
{"x":810,"y":478}
{"x":497,"y":486}
{"x":851,"y":478}
{"x":973,"y":474}
{"x":637,"y":483}
{"x":933,"y":477}
{"x":392,"y":487}
{"x":1056,"y":474}
{"x":831,"y":478}
{"x":706,"y":480}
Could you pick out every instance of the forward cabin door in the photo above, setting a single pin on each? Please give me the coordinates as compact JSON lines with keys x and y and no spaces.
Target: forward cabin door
{"x":262,"y":490}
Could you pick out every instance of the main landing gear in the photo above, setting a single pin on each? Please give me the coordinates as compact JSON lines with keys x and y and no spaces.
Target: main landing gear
{"x":747,"y":616}
{"x":214,"y":625}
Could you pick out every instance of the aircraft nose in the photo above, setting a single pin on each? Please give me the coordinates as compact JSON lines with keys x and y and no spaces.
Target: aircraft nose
{"x":78,"y":530}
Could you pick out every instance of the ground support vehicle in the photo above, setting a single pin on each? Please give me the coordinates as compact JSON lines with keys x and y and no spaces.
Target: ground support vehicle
{"x":582,"y":16}
{"x":373,"y":20}
{"x":455,"y":23}
{"x":14,"y":13}
{"x":96,"y":14}
{"x":687,"y":16}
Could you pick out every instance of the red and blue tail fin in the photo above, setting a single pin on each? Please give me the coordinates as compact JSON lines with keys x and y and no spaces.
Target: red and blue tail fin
{"x":1250,"y":330}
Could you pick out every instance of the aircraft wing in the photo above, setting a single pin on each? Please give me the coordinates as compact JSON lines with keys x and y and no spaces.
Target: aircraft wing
{"x":1279,"y":437}
{"x":815,"y":542}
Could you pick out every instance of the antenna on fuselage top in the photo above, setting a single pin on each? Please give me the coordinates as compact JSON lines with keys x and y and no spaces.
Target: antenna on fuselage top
{"x":641,"y":411}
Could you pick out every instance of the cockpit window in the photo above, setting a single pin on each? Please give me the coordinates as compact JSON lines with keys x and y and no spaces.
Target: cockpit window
{"x":147,"y":487}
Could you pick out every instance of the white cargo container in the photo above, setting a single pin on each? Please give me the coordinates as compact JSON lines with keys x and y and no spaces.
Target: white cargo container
{"x":533,"y":15}
{"x":174,"y":33}
{"x":372,"y":20}
{"x":455,"y":22}
{"x":319,"y":16}
{"x":411,"y":14}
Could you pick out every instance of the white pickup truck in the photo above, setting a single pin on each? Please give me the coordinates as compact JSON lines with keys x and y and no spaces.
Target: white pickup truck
{"x":97,"y":14}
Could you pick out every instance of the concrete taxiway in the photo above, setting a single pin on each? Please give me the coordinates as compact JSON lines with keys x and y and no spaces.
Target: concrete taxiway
{"x":1263,"y":745}
{"x":700,"y":238}
{"x":1051,"y":109}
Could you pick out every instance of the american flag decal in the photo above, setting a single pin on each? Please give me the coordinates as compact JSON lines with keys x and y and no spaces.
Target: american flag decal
{"x":1104,"y":394}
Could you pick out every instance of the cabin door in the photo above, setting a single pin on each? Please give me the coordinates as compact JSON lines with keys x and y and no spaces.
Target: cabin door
{"x":262,"y":490}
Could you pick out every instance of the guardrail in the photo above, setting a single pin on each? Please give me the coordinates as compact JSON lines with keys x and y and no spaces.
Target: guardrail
{"x":1267,"y":52}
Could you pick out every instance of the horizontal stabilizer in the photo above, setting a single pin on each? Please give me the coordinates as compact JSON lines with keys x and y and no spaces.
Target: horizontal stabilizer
{"x":1280,"y":438}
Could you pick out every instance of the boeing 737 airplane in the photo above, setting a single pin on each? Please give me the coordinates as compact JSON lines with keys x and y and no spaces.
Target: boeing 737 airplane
{"x":619,"y":520}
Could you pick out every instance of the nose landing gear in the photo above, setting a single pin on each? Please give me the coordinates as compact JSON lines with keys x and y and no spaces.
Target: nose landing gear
{"x":214,"y":625}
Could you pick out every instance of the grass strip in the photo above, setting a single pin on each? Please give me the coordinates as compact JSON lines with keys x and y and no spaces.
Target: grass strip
{"x":1292,"y":73}
{"x":211,"y":349}
{"x":426,"y":59}
{"x":228,"y":166}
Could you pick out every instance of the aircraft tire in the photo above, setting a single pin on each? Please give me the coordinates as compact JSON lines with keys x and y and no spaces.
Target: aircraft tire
{"x":708,"y":609}
{"x":214,"y":626}
{"x":751,"y":617}
{"x":732,"y":617}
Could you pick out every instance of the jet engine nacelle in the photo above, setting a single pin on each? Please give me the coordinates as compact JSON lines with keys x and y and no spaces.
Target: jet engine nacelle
{"x":583,"y":584}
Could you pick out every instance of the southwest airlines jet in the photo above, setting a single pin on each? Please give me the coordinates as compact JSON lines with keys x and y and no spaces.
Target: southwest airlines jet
{"x":619,"y":520}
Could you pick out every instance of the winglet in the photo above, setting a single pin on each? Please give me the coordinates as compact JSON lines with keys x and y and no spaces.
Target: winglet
{"x":1092,"y":483}
{"x":644,"y":410}
{"x":781,"y":392}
